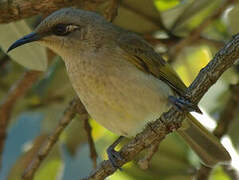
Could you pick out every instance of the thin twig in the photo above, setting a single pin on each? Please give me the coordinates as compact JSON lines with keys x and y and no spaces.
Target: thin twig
{"x":203,"y":173}
{"x":4,"y":60}
{"x":171,"y":41}
{"x":17,"y":90}
{"x":171,"y":120}
{"x":145,"y":162}
{"x":74,"y":107}
{"x":93,"y":153}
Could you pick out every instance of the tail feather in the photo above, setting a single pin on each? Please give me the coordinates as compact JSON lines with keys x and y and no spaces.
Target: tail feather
{"x":204,"y":143}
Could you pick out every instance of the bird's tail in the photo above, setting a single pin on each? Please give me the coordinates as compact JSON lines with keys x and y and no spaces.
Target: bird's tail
{"x":204,"y":143}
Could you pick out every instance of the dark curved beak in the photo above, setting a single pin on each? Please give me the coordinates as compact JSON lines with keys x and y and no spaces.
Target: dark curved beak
{"x":24,"y":40}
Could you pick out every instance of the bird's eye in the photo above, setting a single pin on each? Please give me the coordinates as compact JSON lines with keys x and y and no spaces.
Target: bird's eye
{"x":60,"y":30}
{"x":63,"y":29}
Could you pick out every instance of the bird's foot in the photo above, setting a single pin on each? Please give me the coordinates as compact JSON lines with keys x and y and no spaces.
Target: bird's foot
{"x":182,"y":104}
{"x":114,"y":155}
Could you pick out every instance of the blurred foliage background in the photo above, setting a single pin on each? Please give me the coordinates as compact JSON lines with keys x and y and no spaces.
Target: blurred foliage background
{"x":165,"y":24}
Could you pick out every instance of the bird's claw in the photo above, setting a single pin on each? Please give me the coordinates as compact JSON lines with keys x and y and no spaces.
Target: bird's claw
{"x":181,"y":104}
{"x":114,"y":156}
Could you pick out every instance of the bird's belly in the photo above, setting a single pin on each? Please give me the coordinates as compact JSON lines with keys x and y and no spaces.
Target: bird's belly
{"x":122,"y":102}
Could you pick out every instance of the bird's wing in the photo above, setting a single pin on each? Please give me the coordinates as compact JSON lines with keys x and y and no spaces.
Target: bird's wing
{"x":143,"y":56}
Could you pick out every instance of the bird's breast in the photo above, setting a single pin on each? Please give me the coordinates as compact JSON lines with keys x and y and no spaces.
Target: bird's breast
{"x":117,"y":94}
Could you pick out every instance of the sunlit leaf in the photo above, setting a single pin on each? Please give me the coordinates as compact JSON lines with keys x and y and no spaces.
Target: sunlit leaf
{"x":191,"y":61}
{"x":163,"y":5}
{"x":219,"y":174}
{"x":51,"y":170}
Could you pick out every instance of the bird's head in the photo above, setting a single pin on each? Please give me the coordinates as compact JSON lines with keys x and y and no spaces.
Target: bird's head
{"x":65,"y":29}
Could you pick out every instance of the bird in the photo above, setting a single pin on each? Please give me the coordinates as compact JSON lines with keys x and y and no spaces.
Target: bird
{"x":122,"y":82}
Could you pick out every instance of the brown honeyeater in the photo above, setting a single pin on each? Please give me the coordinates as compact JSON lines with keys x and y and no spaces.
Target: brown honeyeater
{"x":123,"y":83}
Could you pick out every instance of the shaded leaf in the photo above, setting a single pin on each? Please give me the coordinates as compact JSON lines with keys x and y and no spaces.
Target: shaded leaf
{"x":132,"y":15}
{"x":32,"y":55}
{"x":231,"y":19}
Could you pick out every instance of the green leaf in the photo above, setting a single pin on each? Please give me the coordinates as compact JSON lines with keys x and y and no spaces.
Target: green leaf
{"x":219,"y":174}
{"x":50,"y":171}
{"x":163,"y":5}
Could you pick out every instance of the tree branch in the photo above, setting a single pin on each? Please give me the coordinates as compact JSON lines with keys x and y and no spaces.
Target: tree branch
{"x":17,"y":90}
{"x":75,"y":107}
{"x":172,"y":119}
{"x":18,"y":9}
